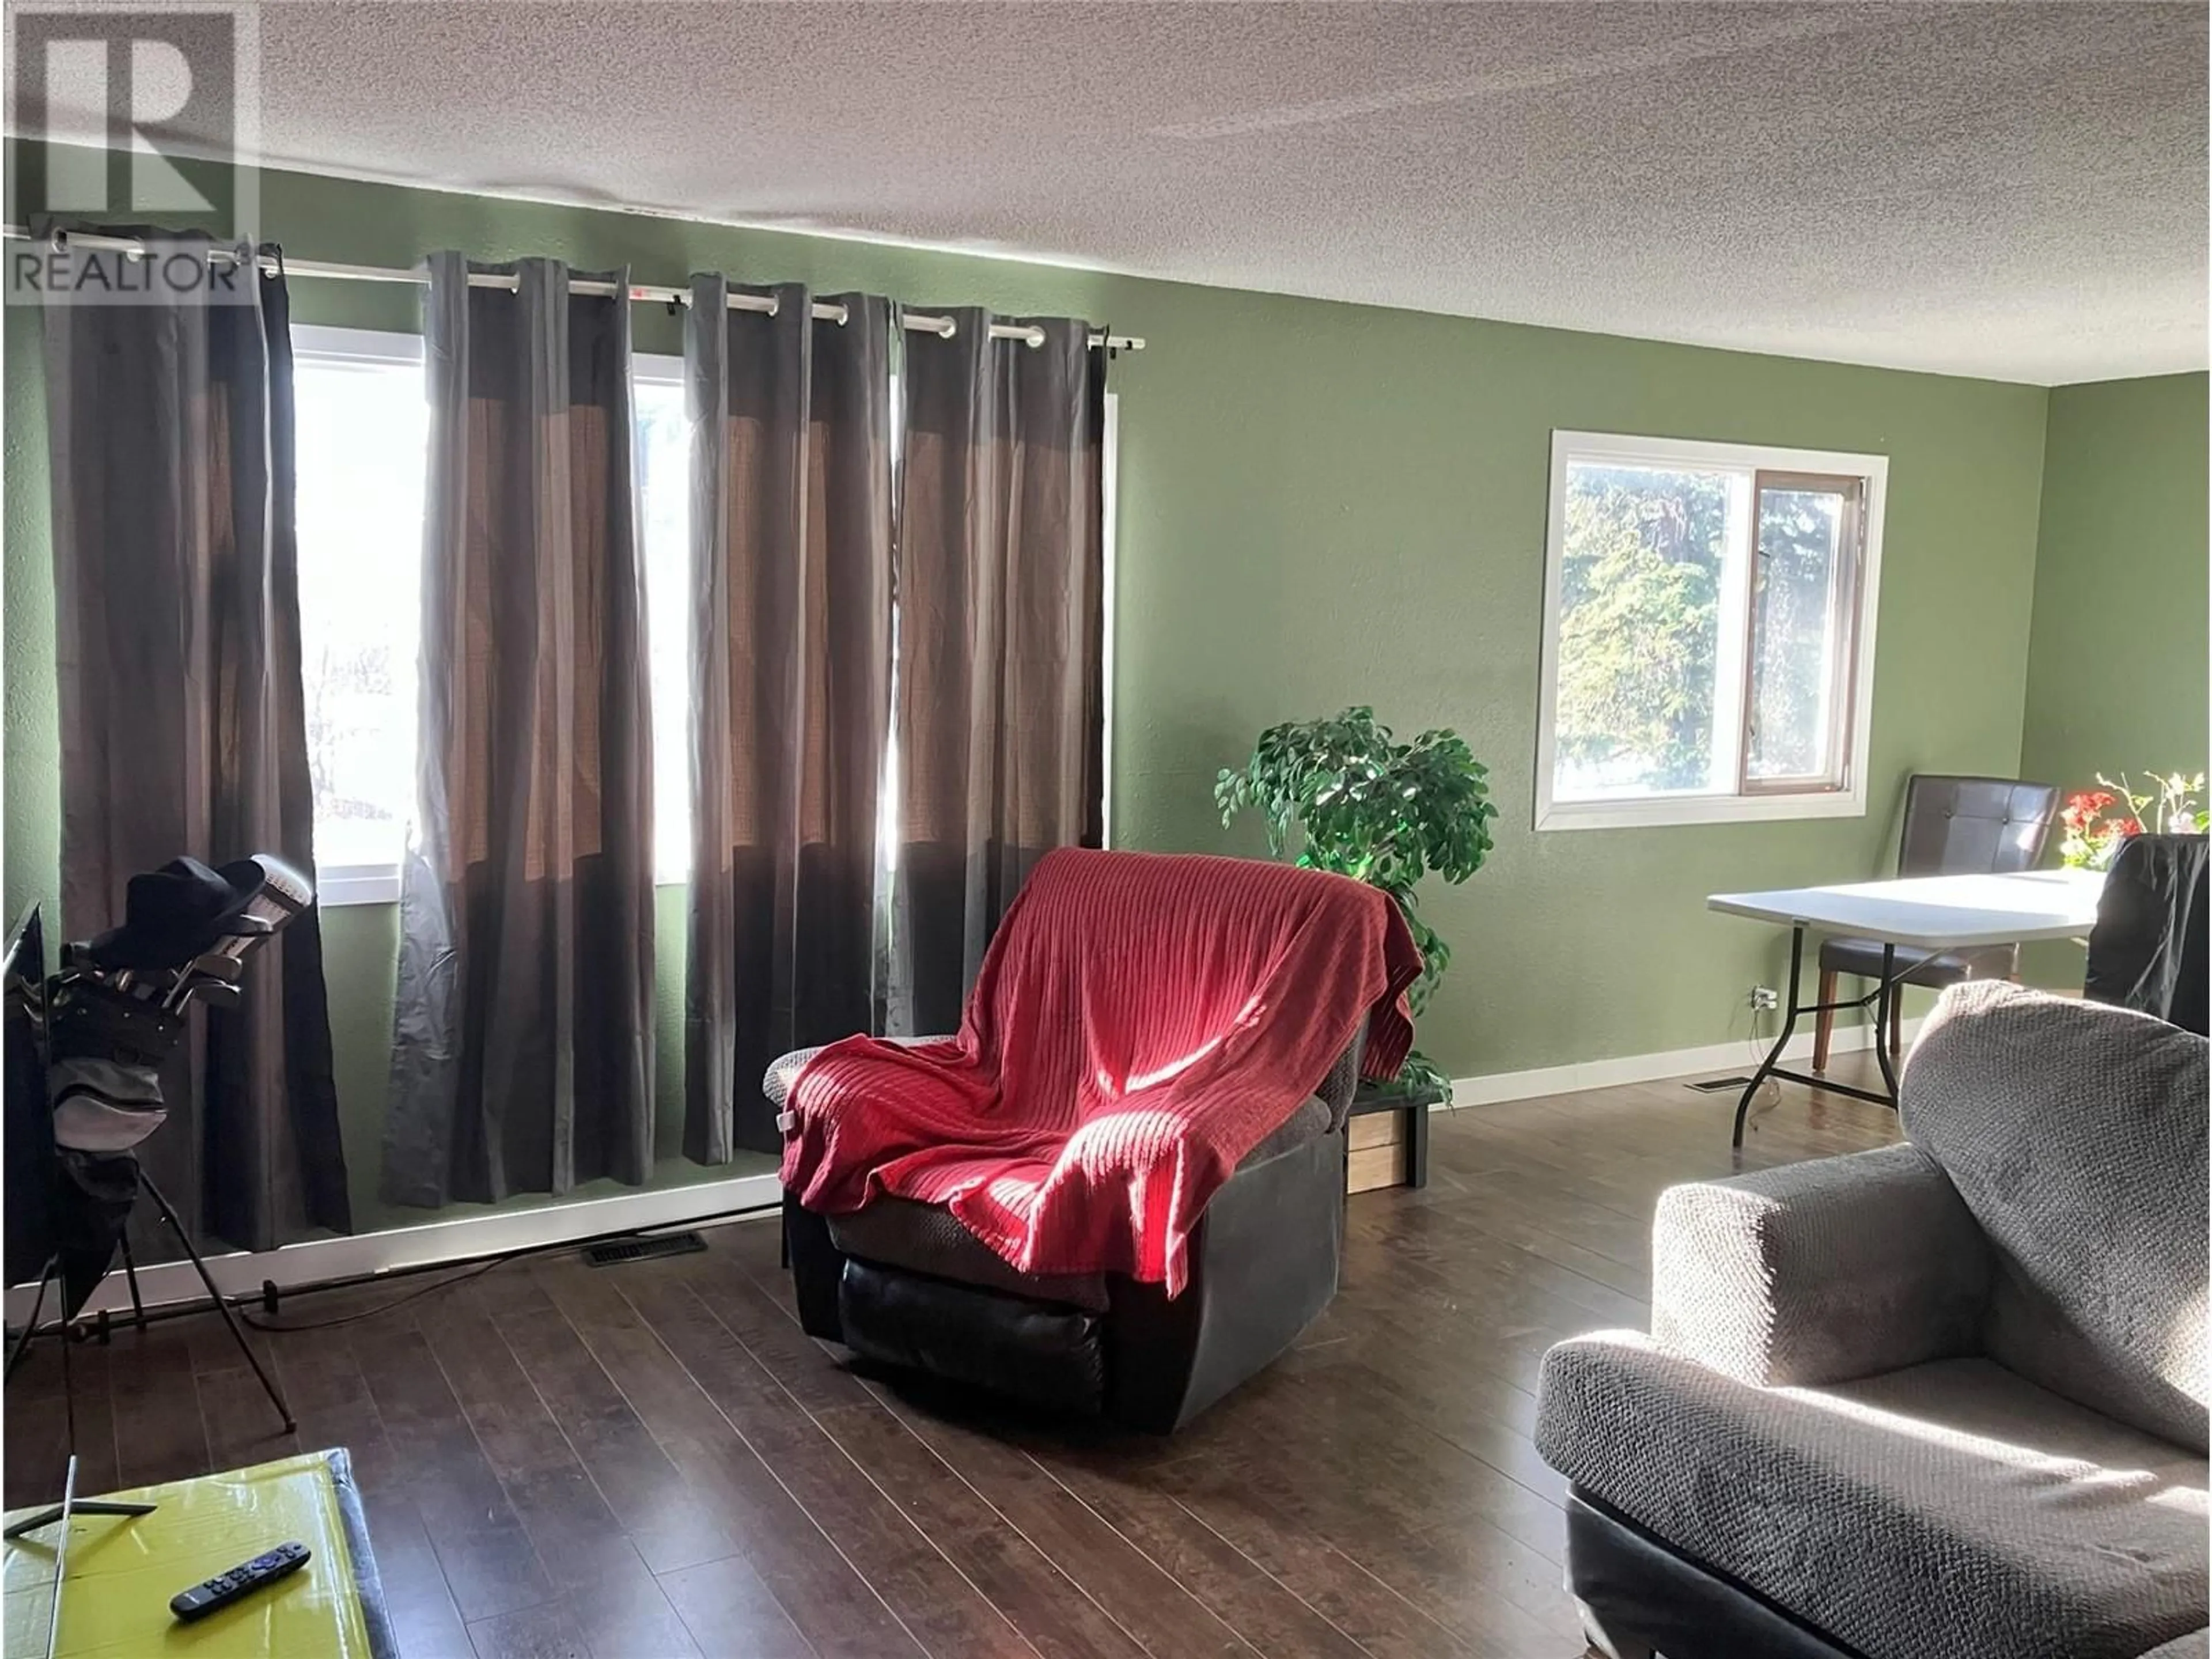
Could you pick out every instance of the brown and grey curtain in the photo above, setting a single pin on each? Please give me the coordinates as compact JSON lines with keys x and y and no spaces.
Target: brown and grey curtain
{"x":790,"y":655}
{"x":183,"y":728}
{"x":1000,"y":694}
{"x":522,"y":1043}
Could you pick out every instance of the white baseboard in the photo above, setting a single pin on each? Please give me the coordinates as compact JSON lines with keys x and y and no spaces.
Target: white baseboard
{"x":1739,"y":1056}
{"x":316,"y":1261}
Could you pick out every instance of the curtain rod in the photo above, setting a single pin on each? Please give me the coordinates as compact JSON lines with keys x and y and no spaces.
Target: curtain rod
{"x":916,"y":322}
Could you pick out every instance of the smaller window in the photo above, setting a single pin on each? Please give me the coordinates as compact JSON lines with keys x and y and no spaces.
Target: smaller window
{"x":1708,"y":632}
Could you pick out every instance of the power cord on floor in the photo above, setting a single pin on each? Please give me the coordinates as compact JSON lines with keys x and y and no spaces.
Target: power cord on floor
{"x":1756,"y":1045}
{"x":476,"y":1272}
{"x":473,"y":1270}
{"x":463,"y":1271}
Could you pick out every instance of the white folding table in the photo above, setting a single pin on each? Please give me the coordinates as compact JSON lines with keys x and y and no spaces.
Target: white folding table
{"x":1927,"y":912}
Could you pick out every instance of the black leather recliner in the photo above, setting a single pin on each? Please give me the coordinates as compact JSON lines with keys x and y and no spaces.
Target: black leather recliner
{"x":904,"y":1283}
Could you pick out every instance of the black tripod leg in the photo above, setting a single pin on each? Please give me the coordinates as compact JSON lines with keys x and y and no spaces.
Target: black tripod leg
{"x":31,"y":1325}
{"x":131,"y":1278}
{"x":221,"y":1306}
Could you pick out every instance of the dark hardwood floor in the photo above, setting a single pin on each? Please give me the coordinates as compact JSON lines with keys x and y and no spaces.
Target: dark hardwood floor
{"x":650,"y":1461}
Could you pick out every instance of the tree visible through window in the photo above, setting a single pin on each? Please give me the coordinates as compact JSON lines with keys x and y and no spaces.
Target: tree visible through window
{"x":1705,"y":626}
{"x":1639,"y":629}
{"x":1801,"y":627}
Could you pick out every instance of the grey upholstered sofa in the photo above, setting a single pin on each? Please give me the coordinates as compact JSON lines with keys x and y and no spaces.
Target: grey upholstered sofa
{"x":1944,"y":1400}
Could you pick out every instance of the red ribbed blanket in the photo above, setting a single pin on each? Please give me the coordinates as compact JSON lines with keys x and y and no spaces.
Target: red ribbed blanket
{"x":1141,"y":1022}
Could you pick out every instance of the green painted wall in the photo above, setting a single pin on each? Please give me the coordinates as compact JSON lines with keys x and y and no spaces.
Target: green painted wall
{"x":1320,"y":504}
{"x":2117,"y":654}
{"x":2117,"y":657}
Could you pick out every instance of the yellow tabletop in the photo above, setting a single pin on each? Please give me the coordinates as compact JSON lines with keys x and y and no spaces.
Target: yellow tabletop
{"x":123,"y":1570}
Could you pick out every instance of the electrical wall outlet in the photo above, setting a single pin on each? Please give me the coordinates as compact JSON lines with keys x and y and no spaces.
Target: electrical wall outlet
{"x":1764,"y":1000}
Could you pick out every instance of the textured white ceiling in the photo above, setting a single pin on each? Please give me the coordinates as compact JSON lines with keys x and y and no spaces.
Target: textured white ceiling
{"x":2010,"y":190}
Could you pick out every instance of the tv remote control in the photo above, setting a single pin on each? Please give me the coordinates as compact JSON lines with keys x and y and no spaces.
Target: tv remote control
{"x":223,"y":1588}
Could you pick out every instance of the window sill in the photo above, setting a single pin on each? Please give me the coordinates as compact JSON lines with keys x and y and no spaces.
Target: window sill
{"x":1654,"y":813}
{"x":340,"y":884}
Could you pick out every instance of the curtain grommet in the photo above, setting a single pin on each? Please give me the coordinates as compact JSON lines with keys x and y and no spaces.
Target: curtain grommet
{"x":951,"y":326}
{"x":1034,"y":338}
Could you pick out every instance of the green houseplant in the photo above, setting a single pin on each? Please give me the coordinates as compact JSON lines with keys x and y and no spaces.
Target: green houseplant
{"x":1381,"y":812}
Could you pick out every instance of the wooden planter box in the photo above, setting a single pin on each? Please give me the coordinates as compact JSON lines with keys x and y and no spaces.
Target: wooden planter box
{"x":1389,"y":1137}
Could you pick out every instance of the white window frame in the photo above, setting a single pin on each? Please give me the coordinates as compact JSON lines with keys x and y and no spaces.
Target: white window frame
{"x":342,"y":884}
{"x":1728,"y":806}
{"x":338,"y":884}
{"x":360,"y":345}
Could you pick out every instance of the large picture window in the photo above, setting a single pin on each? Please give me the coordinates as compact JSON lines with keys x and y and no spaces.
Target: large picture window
{"x":1708,"y":632}
{"x":363,"y":446}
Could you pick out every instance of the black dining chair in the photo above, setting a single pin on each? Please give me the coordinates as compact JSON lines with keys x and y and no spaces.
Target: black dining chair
{"x":1953,"y":826}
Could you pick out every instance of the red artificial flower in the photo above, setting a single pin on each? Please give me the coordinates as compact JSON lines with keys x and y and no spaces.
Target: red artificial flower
{"x":2128,"y":827}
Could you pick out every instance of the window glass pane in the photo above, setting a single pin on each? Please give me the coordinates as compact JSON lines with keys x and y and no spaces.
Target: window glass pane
{"x":361,"y":433}
{"x":1642,"y":582}
{"x":1796,"y":666}
{"x":664,"y":501}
